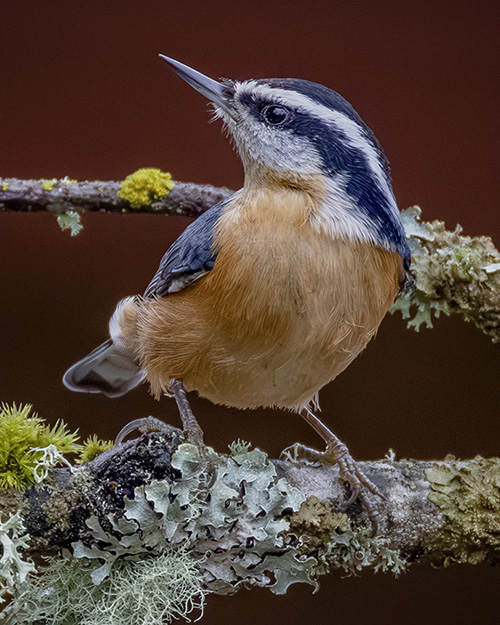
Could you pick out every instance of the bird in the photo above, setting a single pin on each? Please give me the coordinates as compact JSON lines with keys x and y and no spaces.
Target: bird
{"x":271,"y":293}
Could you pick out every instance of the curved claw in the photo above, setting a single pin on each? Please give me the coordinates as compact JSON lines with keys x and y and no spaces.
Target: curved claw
{"x":147,"y":424}
{"x":355,"y":491}
{"x":337,"y":453}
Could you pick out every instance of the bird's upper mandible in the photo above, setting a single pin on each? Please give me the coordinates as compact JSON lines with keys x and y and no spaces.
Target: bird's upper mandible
{"x":302,"y":135}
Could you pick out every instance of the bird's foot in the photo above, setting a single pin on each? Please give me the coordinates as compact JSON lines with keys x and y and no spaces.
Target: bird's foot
{"x":191,"y":428}
{"x":146,"y":424}
{"x":336,"y":452}
{"x":360,"y":486}
{"x":190,"y":425}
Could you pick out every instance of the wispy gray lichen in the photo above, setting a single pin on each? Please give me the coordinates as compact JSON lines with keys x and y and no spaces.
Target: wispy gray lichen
{"x":150,"y":591}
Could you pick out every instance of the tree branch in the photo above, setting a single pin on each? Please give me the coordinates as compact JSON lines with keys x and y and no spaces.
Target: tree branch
{"x":454,"y":273}
{"x":245,"y":519}
{"x":155,"y":518}
{"x":63,"y":195}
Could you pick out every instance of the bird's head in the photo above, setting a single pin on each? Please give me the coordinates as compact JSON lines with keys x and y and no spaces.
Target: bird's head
{"x":294,"y":131}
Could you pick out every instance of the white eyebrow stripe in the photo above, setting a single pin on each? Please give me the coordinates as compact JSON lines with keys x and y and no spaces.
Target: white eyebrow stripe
{"x":349,"y":128}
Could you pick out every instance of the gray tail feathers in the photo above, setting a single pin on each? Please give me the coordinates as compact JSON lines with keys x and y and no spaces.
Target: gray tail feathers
{"x":109,"y":369}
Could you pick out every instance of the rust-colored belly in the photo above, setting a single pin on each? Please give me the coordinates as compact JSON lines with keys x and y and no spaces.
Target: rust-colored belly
{"x":273,"y":322}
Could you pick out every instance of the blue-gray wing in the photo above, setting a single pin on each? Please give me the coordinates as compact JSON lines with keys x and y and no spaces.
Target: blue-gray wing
{"x":189,"y":258}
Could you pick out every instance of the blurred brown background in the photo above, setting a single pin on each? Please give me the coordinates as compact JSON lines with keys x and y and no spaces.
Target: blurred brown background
{"x":83,"y":94}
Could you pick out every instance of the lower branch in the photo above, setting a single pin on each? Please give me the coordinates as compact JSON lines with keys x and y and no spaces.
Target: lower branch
{"x":239,"y":520}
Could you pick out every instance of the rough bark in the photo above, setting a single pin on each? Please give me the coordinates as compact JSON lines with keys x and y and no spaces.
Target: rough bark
{"x":435,"y":512}
{"x":59,"y":196}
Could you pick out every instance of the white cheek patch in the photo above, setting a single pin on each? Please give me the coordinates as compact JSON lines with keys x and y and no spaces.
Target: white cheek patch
{"x":339,"y":216}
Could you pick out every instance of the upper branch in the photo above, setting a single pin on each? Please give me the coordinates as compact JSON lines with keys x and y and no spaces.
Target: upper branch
{"x":454,"y":273}
{"x":63,"y":195}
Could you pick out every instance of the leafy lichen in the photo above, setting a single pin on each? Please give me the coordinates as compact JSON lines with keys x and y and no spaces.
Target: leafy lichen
{"x":469,"y":496}
{"x":14,"y":568}
{"x":237,"y":529}
{"x":24,"y":441}
{"x":338,"y":544}
{"x":249,"y":527}
{"x":144,"y":186}
{"x":453,"y":272}
{"x":70,"y":220}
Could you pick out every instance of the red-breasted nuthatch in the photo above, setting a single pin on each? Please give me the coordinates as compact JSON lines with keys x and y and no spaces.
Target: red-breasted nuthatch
{"x":271,"y":293}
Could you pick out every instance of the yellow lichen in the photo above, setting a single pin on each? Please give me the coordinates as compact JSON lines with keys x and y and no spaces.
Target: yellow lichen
{"x":144,"y":186}
{"x":469,"y":497}
{"x":5,"y":186}
{"x":48,"y":185}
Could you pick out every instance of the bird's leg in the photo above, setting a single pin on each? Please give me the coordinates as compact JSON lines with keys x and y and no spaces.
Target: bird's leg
{"x":194,"y":433}
{"x":337,"y":453}
{"x":190,"y":425}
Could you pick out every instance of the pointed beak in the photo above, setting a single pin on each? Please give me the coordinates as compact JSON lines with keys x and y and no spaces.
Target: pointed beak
{"x":210,"y":88}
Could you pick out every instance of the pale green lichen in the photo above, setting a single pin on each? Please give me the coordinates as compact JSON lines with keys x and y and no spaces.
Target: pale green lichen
{"x":70,"y":220}
{"x":293,"y":454}
{"x":390,"y":455}
{"x":355,"y":550}
{"x":338,"y":544}
{"x":180,"y":539}
{"x":250,"y":528}
{"x":46,"y":459}
{"x":453,"y":273}
{"x":25,"y":440}
{"x":239,"y":446}
{"x":144,"y":186}
{"x":14,"y":568}
{"x":151,"y":591}
{"x":238,"y":529}
{"x":468,"y":494}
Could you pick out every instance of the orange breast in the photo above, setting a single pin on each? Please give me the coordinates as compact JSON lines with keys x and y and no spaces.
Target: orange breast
{"x":284,"y":310}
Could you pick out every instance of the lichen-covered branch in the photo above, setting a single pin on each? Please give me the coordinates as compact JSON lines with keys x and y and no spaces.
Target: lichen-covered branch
{"x":237,"y":520}
{"x":453,"y":274}
{"x":143,"y":193}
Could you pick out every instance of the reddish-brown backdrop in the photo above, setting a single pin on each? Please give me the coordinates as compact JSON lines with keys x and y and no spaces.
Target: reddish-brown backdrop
{"x":83,"y":94}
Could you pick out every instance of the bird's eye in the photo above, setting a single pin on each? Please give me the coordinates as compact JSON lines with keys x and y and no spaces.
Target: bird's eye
{"x":275,"y":115}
